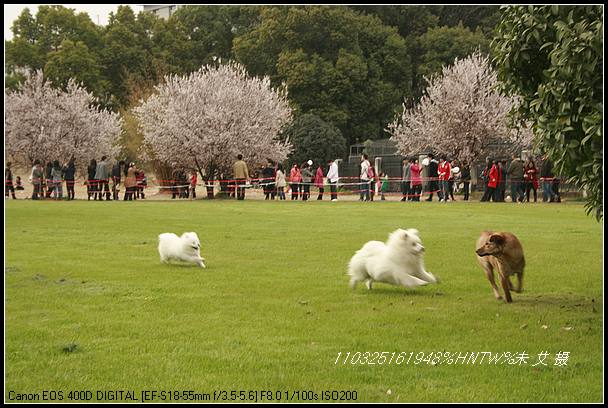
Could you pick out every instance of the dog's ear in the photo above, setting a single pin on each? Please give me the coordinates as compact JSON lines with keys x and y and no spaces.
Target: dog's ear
{"x":498,"y":239}
{"x":413,"y":231}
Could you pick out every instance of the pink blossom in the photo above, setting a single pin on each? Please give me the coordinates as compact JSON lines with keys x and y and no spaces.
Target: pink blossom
{"x":45,"y":123}
{"x":204,"y":119}
{"x":462,"y":115}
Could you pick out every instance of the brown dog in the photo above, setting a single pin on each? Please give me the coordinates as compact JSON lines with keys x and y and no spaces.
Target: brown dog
{"x":501,"y":251}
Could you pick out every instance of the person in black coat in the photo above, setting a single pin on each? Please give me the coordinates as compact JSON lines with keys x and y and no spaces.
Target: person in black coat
{"x":465,"y":175}
{"x":91,"y":181}
{"x":69,"y":172}
{"x":116,"y":177}
{"x":8,"y":181}
{"x":48,"y":178}
{"x":432,"y":175}
{"x":184,"y":184}
{"x":557,"y":198}
{"x":175,"y":182}
{"x":546,"y":176}
{"x":268,"y":180}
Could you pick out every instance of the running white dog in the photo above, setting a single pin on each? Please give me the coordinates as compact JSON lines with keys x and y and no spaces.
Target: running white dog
{"x":185,"y":248}
{"x":398,"y":262}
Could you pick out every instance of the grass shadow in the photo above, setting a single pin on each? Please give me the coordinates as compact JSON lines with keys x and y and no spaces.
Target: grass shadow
{"x":561,"y":301}
{"x":399,"y":292}
{"x":182,"y":265}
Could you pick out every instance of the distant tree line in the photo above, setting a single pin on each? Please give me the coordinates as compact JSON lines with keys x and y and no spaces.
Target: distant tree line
{"x":346,"y":71}
{"x":351,"y":66}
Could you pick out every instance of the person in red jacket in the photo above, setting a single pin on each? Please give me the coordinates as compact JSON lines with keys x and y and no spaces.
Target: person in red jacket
{"x":140,"y":179}
{"x":444,"y":171}
{"x":319,"y":182}
{"x":498,"y":196}
{"x":193,"y":183}
{"x":492,"y":183}
{"x":295,"y":178}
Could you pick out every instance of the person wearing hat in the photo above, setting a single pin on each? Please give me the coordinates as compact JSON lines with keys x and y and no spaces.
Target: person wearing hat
{"x":131,"y":182}
{"x":307,"y":178}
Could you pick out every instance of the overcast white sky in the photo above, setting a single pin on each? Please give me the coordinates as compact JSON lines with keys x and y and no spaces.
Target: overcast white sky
{"x":98,"y":12}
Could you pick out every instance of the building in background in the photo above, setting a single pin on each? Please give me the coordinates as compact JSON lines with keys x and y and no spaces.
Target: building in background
{"x":163,"y":11}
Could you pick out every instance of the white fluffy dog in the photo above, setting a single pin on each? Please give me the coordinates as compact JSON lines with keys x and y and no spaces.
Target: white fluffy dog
{"x":398,"y":262}
{"x":185,"y":248}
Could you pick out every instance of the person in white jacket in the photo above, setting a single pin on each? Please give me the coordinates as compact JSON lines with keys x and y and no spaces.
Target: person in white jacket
{"x":280,"y":182}
{"x":332,"y":178}
{"x":364,"y":177}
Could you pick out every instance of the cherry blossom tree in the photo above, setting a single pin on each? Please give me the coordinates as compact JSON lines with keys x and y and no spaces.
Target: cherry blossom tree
{"x":462,"y":115}
{"x":204,"y":119}
{"x":46,"y":123}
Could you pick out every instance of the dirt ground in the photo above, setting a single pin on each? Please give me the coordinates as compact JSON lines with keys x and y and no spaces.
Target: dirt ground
{"x":156,"y":193}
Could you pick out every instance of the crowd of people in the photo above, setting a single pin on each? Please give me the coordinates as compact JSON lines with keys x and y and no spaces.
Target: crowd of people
{"x":47,"y":182}
{"x":441,"y":175}
{"x":523,"y":179}
{"x":183,"y":183}
{"x":274,"y":180}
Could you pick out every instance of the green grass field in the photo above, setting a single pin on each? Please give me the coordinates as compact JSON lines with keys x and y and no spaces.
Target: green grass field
{"x":89,"y":306}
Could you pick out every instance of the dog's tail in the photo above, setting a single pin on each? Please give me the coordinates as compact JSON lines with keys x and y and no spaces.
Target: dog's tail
{"x":357,"y":270}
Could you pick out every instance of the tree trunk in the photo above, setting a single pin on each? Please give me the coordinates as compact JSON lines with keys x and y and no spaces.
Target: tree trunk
{"x":209,"y":185}
{"x":210,"y":181}
{"x":163,"y":175}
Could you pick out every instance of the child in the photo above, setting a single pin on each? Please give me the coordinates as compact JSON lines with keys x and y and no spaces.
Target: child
{"x":384,"y":185}
{"x":18,"y":182}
